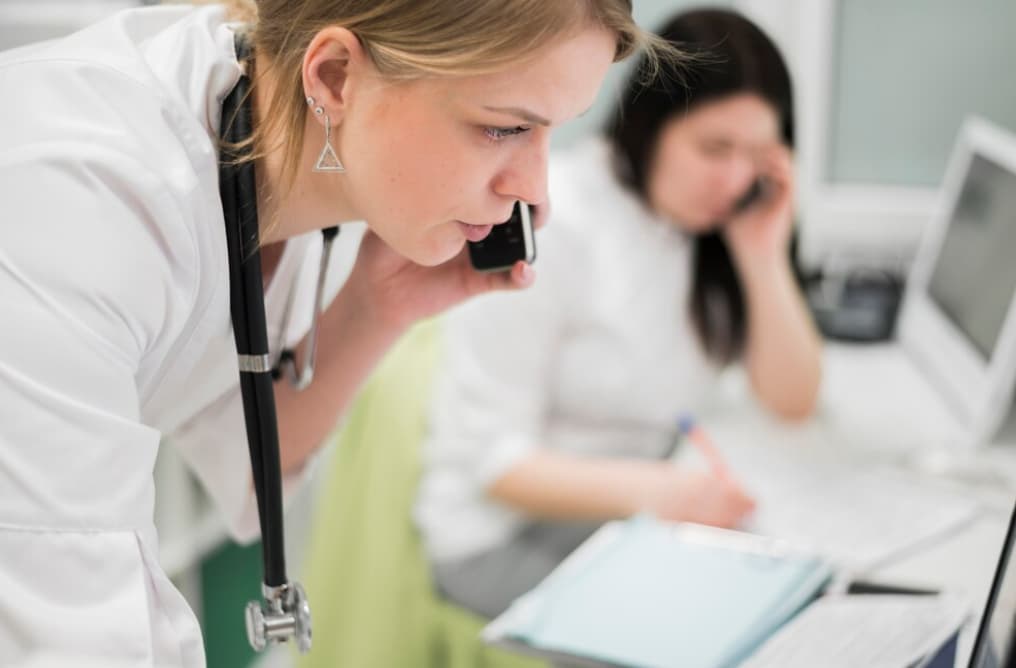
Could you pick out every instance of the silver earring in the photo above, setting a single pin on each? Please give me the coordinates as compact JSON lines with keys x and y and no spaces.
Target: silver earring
{"x":328,"y":161}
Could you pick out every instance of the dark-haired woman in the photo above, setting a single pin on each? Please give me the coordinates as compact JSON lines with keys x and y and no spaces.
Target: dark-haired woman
{"x":668,"y":258}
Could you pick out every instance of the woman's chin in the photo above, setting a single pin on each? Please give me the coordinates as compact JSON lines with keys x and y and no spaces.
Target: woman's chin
{"x":438,"y":251}
{"x":701,"y":225}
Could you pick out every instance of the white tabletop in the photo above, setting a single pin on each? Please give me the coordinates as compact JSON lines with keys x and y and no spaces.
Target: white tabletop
{"x":873,"y":410}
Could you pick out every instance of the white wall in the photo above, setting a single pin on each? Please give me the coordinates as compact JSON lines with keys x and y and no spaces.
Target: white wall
{"x":882,"y":90}
{"x":26,"y":21}
{"x":908,"y":73}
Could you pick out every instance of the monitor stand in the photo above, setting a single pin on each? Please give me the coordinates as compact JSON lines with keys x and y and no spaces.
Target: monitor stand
{"x":991,"y":466}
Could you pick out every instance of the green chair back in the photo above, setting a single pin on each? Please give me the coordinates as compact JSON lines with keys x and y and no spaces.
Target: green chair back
{"x":367,"y":576}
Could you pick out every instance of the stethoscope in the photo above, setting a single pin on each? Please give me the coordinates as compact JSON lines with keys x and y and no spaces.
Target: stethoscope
{"x":283,"y":613}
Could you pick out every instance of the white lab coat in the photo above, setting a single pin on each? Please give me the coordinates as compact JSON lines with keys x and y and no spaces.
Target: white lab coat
{"x":115,"y":330}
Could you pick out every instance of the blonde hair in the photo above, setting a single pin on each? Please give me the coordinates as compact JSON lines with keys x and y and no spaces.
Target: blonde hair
{"x":410,"y":39}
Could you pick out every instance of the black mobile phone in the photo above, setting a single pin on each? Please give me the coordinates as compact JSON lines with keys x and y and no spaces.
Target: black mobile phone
{"x":755,"y":193}
{"x":506,"y":244}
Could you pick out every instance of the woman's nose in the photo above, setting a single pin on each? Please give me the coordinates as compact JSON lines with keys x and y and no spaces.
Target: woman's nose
{"x":525,"y":176}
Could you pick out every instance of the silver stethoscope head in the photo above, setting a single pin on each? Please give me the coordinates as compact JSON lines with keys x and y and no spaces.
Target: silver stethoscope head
{"x":283,"y":614}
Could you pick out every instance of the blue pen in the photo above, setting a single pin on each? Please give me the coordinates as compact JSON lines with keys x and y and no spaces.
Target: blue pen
{"x":699,"y":438}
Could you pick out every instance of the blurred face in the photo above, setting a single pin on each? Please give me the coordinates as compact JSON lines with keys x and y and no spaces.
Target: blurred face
{"x":706,"y":160}
{"x":433,"y":163}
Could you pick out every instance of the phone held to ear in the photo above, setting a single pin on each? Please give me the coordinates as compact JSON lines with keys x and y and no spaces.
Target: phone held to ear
{"x":506,"y":244}
{"x":756,"y":193}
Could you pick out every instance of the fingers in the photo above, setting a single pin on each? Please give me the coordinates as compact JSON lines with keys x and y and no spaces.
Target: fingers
{"x":776,"y":154}
{"x":520,"y":276}
{"x":777,"y":166}
{"x":737,"y":494}
{"x":735,"y":504}
{"x":733,"y":515}
{"x":776,"y":171}
{"x":744,"y":503}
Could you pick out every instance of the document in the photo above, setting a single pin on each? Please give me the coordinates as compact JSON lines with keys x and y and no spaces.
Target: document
{"x":875,"y":631}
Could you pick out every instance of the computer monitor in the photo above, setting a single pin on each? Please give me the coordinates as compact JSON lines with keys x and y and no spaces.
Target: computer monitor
{"x":994,"y":646}
{"x":958,"y":320}
{"x":975,"y":276}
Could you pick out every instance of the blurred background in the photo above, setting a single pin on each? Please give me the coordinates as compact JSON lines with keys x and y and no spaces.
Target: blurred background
{"x":882,"y":87}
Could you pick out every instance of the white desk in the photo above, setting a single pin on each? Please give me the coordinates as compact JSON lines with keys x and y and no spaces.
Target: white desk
{"x":867,"y":411}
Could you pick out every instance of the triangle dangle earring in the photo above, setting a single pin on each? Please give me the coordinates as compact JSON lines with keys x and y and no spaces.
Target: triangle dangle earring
{"x":328,"y":160}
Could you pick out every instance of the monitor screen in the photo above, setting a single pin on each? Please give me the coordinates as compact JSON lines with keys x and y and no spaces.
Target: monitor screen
{"x":994,"y":645}
{"x":974,"y":277}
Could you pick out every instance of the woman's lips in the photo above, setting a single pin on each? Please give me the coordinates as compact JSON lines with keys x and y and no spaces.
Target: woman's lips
{"x":474,"y":232}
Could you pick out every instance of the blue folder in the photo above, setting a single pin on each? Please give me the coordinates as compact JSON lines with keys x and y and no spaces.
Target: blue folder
{"x":652,"y":594}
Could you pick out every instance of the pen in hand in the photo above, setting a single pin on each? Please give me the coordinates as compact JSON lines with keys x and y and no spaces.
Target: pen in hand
{"x":711,"y":497}
{"x":702,"y":442}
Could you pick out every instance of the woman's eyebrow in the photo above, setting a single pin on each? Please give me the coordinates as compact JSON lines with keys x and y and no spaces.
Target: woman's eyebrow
{"x":524,"y":114}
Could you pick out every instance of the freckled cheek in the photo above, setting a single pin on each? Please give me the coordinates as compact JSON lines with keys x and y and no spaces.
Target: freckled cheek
{"x":418,"y":191}
{"x":429,"y":172}
{"x":447,"y":175}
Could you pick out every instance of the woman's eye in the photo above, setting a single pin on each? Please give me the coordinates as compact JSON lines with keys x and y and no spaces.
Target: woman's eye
{"x":716,"y":149}
{"x":497,"y":134}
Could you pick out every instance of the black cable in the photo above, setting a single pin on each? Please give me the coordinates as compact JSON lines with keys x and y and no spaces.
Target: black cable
{"x":238,"y":189}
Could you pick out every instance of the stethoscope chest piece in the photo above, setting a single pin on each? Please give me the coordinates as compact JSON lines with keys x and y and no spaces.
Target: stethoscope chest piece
{"x":283,"y":614}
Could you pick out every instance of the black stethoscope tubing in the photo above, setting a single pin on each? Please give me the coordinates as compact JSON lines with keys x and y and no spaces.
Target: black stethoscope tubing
{"x":238,"y":190}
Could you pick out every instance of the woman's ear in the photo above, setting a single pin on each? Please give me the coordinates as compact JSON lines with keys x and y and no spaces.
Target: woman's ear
{"x":334,"y":64}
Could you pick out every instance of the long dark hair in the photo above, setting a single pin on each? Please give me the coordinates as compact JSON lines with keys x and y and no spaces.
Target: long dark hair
{"x":731,"y":55}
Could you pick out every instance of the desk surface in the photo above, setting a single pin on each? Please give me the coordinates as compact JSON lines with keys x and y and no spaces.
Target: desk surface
{"x":893,"y":418}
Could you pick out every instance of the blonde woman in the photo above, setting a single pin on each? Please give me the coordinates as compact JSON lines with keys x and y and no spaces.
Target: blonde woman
{"x":113,"y":268}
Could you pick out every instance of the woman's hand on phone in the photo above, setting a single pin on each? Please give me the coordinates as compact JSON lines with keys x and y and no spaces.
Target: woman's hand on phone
{"x":397,"y":292}
{"x":762,"y":230}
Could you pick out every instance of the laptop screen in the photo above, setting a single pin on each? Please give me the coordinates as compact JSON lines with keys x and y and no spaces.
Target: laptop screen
{"x":994,"y":645}
{"x":975,"y":276}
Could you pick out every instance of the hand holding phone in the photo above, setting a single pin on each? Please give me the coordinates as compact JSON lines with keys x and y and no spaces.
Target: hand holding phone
{"x":761,"y":220}
{"x":755,"y":194}
{"x":506,"y":244}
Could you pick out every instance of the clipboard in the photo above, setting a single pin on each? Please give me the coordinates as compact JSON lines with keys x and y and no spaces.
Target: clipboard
{"x":643,"y":592}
